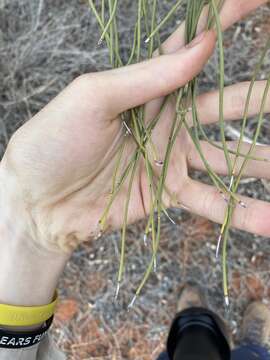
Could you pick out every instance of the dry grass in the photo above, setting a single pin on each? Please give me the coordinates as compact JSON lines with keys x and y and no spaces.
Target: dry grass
{"x":44,"y":45}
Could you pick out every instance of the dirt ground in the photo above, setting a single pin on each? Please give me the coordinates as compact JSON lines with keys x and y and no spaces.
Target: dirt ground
{"x":44,"y":45}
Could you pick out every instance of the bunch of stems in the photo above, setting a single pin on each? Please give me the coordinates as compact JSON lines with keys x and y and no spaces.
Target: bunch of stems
{"x":135,"y":126}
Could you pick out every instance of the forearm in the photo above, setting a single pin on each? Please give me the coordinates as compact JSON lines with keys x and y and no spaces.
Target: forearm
{"x":28,"y":273}
{"x":27,"y":277}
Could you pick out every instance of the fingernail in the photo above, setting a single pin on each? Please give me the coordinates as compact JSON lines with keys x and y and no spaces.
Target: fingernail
{"x":196,"y":40}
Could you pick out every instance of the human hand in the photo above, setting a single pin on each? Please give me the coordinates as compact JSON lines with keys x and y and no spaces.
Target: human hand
{"x":58,"y":167}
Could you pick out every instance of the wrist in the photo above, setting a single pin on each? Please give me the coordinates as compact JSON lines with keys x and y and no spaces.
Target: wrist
{"x":28,"y":272}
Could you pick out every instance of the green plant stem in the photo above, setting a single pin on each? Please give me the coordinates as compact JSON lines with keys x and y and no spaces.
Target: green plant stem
{"x":112,"y":8}
{"x":244,"y":122}
{"x":153,"y":24}
{"x":235,"y":185}
{"x":145,"y":156}
{"x":221,"y":87}
{"x":167,"y":17}
{"x":124,"y":227}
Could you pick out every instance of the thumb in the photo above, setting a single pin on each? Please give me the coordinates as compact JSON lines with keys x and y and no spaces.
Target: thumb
{"x":127,"y":87}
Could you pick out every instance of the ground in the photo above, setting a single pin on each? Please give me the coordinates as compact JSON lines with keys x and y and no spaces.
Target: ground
{"x":44,"y":45}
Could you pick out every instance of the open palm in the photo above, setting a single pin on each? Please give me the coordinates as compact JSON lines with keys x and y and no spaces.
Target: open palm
{"x":60,"y":164}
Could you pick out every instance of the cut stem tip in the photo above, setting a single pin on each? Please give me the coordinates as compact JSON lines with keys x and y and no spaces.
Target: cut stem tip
{"x":130,"y":306}
{"x":218,"y":245}
{"x":171,"y":220}
{"x":98,"y":236}
{"x":100,"y":41}
{"x":127,"y":128}
{"x":145,"y":239}
{"x":242,"y":204}
{"x":117,"y":291}
{"x":231,"y":183}
{"x":159,"y":162}
{"x":155,"y":265}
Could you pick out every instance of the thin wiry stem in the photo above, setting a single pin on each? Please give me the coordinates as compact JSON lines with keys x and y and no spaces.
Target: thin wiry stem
{"x":221,"y":87}
{"x":235,"y":181}
{"x":110,"y":22}
{"x":137,"y":130}
{"x":244,"y":122}
{"x":124,"y":227}
{"x":167,"y":17}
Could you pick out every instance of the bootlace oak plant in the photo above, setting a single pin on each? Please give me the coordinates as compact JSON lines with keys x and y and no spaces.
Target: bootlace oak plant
{"x":139,"y":125}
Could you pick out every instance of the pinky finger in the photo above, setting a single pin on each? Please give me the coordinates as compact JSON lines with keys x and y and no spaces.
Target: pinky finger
{"x":206,"y":201}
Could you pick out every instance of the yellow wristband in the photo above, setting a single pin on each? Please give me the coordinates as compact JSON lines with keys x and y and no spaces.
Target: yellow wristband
{"x":26,"y":315}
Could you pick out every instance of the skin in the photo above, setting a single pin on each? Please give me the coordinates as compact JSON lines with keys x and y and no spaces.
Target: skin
{"x":55,"y":176}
